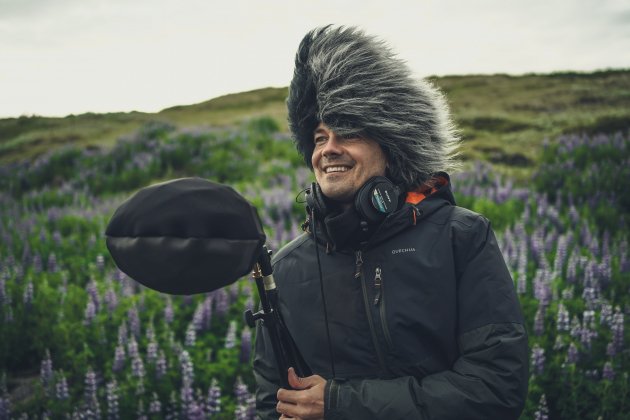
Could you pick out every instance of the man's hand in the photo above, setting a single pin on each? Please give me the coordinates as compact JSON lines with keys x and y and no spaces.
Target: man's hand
{"x":306,"y":402}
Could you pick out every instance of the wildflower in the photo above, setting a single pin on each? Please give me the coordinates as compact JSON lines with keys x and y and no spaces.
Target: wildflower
{"x":100,"y":262}
{"x":112,"y":400}
{"x":230,"y":337}
{"x":563,"y":318}
{"x":191,"y":336}
{"x":543,"y":412}
{"x":539,"y":320}
{"x":90,"y":312}
{"x":240,"y":391}
{"x":52,"y":263}
{"x":61,"y":388}
{"x":572,"y":354}
{"x":617,"y":329}
{"x":161,"y":365}
{"x":132,"y":347}
{"x":119,"y":359}
{"x":28,"y":294}
{"x":134,"y":320}
{"x":608,"y":373}
{"x":538,"y":359}
{"x":246,"y":344}
{"x":222,"y":303}
{"x":213,"y":402}
{"x":168,"y":310}
{"x":92,"y":408}
{"x":155,"y":407}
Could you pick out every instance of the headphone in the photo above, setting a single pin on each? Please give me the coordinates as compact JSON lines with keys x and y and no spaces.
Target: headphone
{"x":377,"y":198}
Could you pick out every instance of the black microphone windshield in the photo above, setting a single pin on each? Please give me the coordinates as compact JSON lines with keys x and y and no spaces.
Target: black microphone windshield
{"x":185,"y":236}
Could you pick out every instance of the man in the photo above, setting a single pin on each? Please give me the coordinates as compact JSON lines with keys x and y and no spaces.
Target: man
{"x":420,"y":318}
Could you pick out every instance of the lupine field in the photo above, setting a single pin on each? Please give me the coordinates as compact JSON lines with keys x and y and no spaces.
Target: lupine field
{"x":79,"y":339}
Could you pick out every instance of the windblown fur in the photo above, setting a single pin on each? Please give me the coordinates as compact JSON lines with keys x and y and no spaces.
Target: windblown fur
{"x":354,"y":84}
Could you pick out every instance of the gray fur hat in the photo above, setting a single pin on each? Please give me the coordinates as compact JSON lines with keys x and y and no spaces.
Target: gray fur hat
{"x":355,"y":84}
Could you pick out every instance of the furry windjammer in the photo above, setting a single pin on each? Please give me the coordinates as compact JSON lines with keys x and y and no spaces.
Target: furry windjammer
{"x":354,"y":84}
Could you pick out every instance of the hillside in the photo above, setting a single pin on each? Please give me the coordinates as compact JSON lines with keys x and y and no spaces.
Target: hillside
{"x":503,"y":119}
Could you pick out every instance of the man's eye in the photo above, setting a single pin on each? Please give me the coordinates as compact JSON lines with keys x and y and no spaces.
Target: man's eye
{"x":320,"y":139}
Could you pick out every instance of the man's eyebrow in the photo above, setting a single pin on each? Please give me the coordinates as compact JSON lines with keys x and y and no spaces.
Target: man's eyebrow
{"x":319,"y":130}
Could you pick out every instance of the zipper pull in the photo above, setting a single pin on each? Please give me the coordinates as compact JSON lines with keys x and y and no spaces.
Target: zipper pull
{"x":359,"y":263}
{"x":377,"y":285}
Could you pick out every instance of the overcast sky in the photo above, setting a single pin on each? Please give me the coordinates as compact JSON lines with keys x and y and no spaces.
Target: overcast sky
{"x":59,"y":57}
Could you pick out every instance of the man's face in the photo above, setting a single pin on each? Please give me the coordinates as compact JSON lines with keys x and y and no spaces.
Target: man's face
{"x":343,"y":165}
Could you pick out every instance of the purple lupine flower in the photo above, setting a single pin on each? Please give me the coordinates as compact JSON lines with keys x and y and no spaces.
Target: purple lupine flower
{"x":617,"y":329}
{"x":37,"y":263}
{"x":586,"y":337}
{"x":161,"y":365}
{"x":611,"y":351}
{"x":207,"y":312}
{"x":213,"y":402}
{"x":123,"y":334}
{"x":61,"y":388}
{"x":538,"y":359}
{"x":251,"y":408}
{"x":197,"y":321}
{"x":605,"y":316}
{"x":607,"y":372}
{"x":52,"y":263}
{"x":543,"y":412}
{"x":246,"y":344}
{"x":132,"y":347}
{"x":567,"y":294}
{"x":572,"y":354}
{"x":222,"y":303}
{"x":539,"y":320}
{"x":187,"y":371}
{"x":92,"y":407}
{"x":155,"y":407}
{"x":240,"y":391}
{"x":191,"y":336}
{"x":56,"y":237}
{"x":168,"y":310}
{"x":28,"y":294}
{"x":563,"y":318}
{"x":522,"y":268}
{"x":112,"y":400}
{"x":134,"y":321}
{"x":90,"y":312}
{"x":152,"y":352}
{"x":111,"y":300}
{"x":100,"y":263}
{"x":137,"y":367}
{"x":171,"y":409}
{"x":46,"y":371}
{"x":230,"y":337}
{"x":92,"y":290}
{"x":3,"y":292}
{"x":119,"y":359}
{"x":576,"y":327}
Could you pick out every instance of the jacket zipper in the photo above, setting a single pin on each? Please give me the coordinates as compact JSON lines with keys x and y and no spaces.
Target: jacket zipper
{"x":379,"y":301}
{"x":368,"y":311}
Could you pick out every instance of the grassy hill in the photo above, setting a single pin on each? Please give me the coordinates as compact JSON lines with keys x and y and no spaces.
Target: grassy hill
{"x":503,"y":119}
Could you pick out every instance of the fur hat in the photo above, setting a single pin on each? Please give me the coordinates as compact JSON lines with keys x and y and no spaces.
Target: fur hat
{"x":354,"y":84}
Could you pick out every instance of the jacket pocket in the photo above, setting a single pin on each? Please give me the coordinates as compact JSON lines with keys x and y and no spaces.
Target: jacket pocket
{"x":379,"y":302}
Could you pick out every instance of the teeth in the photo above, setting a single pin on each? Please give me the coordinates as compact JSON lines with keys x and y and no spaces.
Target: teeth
{"x":336,"y":169}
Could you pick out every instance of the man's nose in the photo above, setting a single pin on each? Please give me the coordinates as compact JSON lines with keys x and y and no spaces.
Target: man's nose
{"x":333,"y":146}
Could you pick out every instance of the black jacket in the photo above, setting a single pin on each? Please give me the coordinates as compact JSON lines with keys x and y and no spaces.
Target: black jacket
{"x":423,"y":318}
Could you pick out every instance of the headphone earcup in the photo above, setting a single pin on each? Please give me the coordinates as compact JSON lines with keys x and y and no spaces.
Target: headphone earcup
{"x":377,"y":198}
{"x":315,"y":200}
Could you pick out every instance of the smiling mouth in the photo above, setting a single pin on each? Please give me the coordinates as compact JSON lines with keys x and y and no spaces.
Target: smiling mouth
{"x":336,"y":169}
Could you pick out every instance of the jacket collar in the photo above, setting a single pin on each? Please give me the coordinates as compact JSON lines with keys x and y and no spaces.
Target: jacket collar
{"x":343,"y":231}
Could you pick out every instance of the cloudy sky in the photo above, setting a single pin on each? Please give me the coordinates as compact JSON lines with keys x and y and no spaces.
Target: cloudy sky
{"x":59,"y":57}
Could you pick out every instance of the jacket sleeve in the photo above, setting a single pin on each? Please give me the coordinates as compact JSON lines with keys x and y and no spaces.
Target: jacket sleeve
{"x":488,"y":380}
